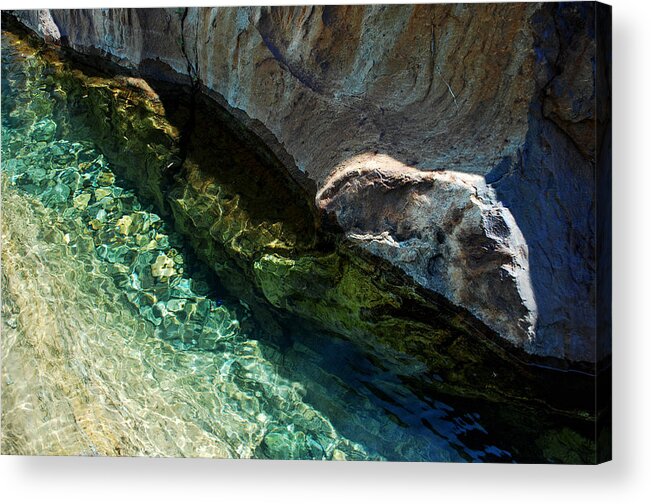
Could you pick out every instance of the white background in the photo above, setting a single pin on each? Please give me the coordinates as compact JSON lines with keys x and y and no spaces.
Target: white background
{"x":626,"y":480}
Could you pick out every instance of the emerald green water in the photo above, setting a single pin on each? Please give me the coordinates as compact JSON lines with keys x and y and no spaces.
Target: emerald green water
{"x":117,"y":340}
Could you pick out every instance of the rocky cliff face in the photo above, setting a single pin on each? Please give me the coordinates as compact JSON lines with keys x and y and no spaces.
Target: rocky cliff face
{"x":454,"y":141}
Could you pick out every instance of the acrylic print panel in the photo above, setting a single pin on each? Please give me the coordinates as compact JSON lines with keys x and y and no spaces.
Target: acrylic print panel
{"x":326,"y":232}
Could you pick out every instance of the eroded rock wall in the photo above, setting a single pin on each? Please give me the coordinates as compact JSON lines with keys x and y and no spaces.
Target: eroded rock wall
{"x":464,"y":128}
{"x":420,"y":83}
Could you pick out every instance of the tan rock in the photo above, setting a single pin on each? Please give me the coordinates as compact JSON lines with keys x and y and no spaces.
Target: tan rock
{"x":101,"y":193}
{"x":123,"y":224}
{"x":80,"y":202}
{"x":163,"y":267}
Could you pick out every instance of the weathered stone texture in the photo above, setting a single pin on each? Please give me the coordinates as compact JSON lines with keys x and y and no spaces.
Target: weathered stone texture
{"x":455,"y":141}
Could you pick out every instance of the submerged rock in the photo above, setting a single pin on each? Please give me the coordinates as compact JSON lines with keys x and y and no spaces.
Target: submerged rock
{"x":163,"y":267}
{"x":80,"y":201}
{"x":37,"y":174}
{"x":101,"y":193}
{"x":124,"y":224}
{"x":44,"y":130}
{"x":106,"y":178}
{"x":58,"y":194}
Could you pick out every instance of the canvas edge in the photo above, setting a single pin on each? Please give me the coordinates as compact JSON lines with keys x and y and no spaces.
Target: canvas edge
{"x":603,"y":175}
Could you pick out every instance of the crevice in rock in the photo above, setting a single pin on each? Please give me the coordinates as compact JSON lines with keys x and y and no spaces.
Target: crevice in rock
{"x":307,"y":80}
{"x":188,"y":128}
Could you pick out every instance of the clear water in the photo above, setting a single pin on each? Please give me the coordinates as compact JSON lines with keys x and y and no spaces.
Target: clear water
{"x":115,"y":340}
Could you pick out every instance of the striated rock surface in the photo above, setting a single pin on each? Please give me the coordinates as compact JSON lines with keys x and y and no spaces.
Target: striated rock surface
{"x":454,"y":141}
